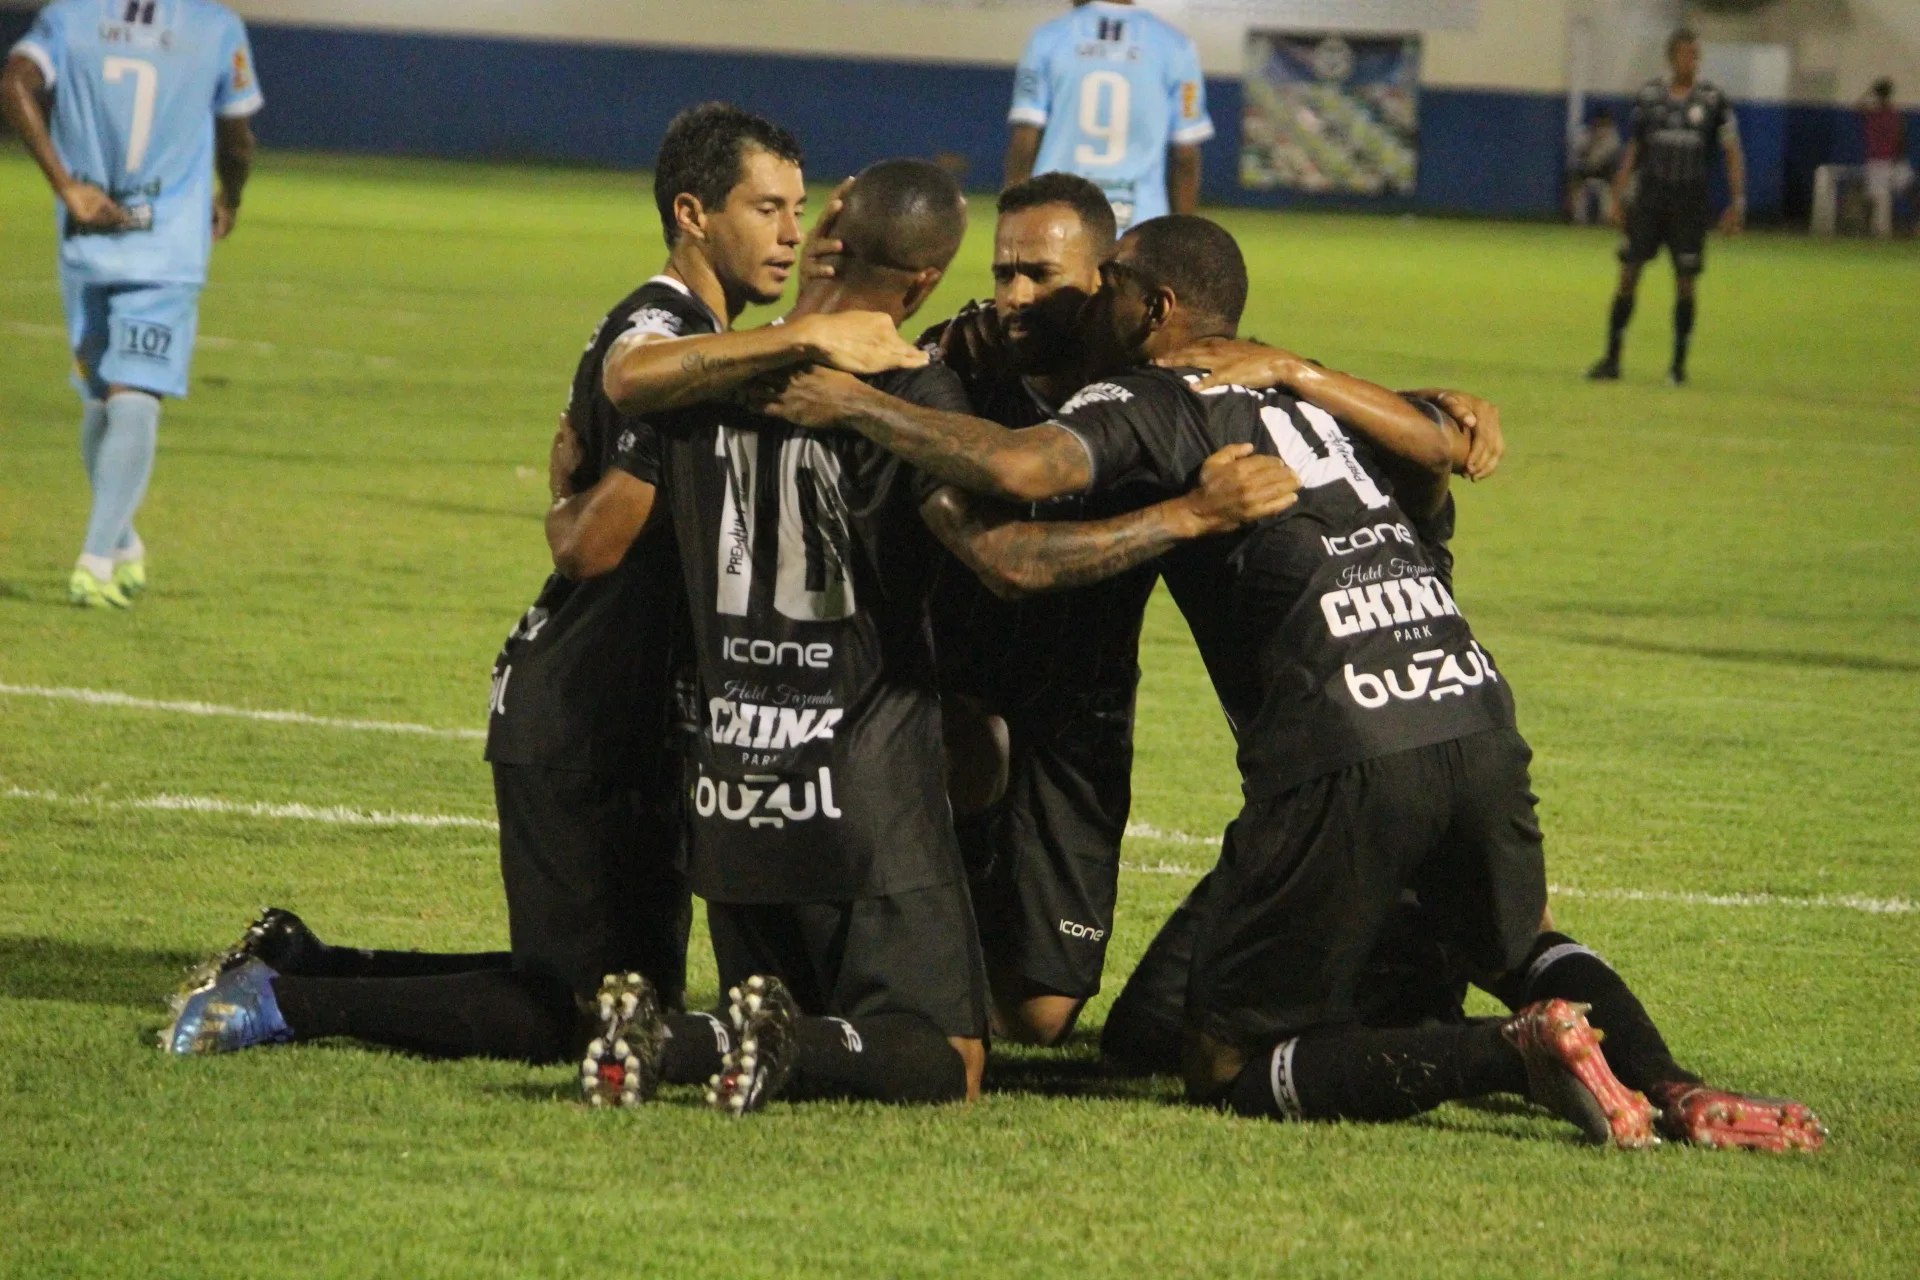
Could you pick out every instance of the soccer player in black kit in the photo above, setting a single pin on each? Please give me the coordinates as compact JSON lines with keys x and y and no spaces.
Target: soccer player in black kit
{"x":586,"y":789}
{"x":1380,"y":759}
{"x":1675,"y":126}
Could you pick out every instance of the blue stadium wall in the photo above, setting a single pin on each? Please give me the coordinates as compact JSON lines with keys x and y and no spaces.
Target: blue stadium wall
{"x":1483,"y":152}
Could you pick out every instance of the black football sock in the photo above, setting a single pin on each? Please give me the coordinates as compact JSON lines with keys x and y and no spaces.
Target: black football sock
{"x":1560,"y":968}
{"x":488,"y":1013}
{"x":1617,"y":320}
{"x":695,"y":1045}
{"x":1682,"y":331}
{"x":888,"y":1057}
{"x":327,"y":961}
{"x":1367,"y":1073}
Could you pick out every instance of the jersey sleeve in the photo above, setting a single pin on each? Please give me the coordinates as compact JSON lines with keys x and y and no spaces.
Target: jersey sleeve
{"x":43,"y":47}
{"x":1640,"y":123}
{"x":636,"y":451}
{"x":1727,"y":126}
{"x":239,"y":92}
{"x":1032,"y":87}
{"x":1127,"y":427}
{"x":1188,"y":121}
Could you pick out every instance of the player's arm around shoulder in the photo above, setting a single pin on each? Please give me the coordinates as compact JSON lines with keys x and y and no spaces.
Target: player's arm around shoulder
{"x":647,"y":371}
{"x":1028,"y":465}
{"x":1015,"y":557}
{"x":590,"y":531}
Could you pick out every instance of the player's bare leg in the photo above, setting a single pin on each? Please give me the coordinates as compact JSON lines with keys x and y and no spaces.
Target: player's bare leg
{"x":1608,"y":368}
{"x":973,"y":1052}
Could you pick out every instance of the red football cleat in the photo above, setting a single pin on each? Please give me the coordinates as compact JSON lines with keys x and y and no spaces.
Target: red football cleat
{"x":1709,"y":1117}
{"x":1567,"y":1073}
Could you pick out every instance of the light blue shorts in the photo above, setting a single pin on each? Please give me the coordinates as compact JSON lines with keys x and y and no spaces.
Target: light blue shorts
{"x":131,"y":335}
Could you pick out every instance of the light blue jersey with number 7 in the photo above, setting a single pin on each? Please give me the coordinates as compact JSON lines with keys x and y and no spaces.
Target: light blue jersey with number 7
{"x":1112,"y":86}
{"x":136,"y":86}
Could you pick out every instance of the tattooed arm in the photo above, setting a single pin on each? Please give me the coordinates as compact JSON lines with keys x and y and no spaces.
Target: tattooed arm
{"x":1017,"y":558}
{"x":1029,"y":465}
{"x":647,"y":372}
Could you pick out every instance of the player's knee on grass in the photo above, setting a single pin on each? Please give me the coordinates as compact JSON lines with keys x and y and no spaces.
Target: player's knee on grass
{"x":1042,"y":1020}
{"x":887,"y":1057}
{"x":1210,"y":1066}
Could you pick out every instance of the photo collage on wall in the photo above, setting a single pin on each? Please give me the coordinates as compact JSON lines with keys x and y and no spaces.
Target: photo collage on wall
{"x":1331,"y":114}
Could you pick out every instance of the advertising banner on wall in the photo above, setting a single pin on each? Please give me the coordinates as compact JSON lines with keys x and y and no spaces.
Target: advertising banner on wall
{"x":1331,"y":114}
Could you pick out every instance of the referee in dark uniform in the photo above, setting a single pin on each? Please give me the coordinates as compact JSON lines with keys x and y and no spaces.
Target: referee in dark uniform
{"x":1675,"y":125}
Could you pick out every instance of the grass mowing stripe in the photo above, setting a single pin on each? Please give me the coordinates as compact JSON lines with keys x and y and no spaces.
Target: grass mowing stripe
{"x":342,"y":815}
{"x":108,"y":698}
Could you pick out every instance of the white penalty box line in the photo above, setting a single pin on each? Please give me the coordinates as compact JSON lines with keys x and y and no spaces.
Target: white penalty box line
{"x":343,"y":815}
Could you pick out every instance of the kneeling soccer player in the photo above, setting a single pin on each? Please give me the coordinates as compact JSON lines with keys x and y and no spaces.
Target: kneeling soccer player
{"x":1381,"y":759}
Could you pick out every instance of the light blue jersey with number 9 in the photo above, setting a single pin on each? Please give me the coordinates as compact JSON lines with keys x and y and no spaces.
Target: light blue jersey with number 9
{"x":1112,"y":86}
{"x":136,"y":86}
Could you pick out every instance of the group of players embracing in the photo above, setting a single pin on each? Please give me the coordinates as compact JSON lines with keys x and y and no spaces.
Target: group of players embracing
{"x":844,"y":638}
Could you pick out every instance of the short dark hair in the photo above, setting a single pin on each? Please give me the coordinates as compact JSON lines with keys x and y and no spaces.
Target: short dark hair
{"x":1073,"y":191}
{"x":1883,"y":87}
{"x":1680,"y":36}
{"x":1199,"y":260}
{"x":906,"y":214}
{"x":702,"y":154}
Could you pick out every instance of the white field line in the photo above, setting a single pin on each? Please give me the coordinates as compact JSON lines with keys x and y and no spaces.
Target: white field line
{"x":341,"y":815}
{"x":107,"y":698}
{"x":331,"y":815}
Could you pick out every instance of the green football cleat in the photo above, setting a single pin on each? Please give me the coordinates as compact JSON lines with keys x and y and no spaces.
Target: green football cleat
{"x":131,"y":577}
{"x":89,"y":592}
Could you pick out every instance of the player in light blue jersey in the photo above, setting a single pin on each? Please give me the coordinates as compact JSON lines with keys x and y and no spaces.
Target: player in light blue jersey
{"x":1114,"y":94}
{"x":130,"y":107}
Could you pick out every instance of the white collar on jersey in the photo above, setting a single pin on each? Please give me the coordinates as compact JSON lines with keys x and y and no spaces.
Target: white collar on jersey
{"x":692,"y":297}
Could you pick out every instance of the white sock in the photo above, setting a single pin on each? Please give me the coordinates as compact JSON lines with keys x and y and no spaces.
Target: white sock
{"x":132,"y":550}
{"x":99,"y":566}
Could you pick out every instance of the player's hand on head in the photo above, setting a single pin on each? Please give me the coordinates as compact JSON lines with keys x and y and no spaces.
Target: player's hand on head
{"x":820,"y":253}
{"x":1238,"y":486}
{"x":1480,"y":419}
{"x":974,"y":343}
{"x":860,"y":342}
{"x":816,"y":397}
{"x":92,"y":207}
{"x":563,"y":460}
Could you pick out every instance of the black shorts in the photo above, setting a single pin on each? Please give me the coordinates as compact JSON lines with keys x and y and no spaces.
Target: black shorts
{"x":1045,"y":890}
{"x":1679,"y":223}
{"x":1314,"y":883}
{"x":595,"y":877}
{"x":913,"y":952}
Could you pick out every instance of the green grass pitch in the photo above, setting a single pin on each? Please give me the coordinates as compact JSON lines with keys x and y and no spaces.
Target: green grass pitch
{"x":1705,"y":598}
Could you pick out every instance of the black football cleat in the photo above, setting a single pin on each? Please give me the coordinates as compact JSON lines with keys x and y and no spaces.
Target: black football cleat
{"x":622,"y":1063}
{"x":1677,"y":375}
{"x":278,"y":939}
{"x":766,"y":1023}
{"x":1607,"y":370}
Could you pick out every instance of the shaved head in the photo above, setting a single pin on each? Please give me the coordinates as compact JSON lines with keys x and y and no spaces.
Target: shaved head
{"x":908,"y":215}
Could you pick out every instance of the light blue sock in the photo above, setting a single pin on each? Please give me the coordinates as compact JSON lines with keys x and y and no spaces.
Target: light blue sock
{"x":93,"y":429}
{"x":121,"y":468}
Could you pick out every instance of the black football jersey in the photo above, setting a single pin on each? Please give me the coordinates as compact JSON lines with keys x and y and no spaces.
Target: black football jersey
{"x":1679,"y":137}
{"x":1330,"y":630}
{"x":1047,"y":652}
{"x":819,"y":772}
{"x":583,"y":681}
